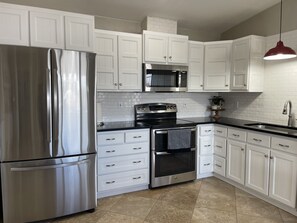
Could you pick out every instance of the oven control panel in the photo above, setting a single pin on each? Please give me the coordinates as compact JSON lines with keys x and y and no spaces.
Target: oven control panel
{"x":155,"y":108}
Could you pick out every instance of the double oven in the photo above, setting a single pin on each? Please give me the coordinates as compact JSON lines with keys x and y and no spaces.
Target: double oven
{"x":168,"y":166}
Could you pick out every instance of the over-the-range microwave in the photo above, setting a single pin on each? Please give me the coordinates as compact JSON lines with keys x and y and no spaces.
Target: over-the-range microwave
{"x":166,"y":78}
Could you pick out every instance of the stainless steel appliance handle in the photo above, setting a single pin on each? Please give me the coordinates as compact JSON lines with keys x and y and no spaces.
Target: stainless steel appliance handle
{"x":166,"y":153}
{"x":179,"y":79}
{"x":49,"y":107}
{"x":22,"y":169}
{"x":166,"y":131}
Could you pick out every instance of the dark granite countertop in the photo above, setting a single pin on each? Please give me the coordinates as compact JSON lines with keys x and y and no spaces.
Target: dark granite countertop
{"x":237,"y":123}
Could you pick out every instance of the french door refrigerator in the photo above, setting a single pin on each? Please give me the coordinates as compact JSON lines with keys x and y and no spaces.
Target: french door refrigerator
{"x":47,"y":133}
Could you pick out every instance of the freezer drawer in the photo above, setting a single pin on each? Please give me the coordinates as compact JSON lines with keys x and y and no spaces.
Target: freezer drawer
{"x":38,"y":190}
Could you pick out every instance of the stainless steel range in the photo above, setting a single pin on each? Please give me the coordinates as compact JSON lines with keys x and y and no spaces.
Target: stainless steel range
{"x":173,"y":144}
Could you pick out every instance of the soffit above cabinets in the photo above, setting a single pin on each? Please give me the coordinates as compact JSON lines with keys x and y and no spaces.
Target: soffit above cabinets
{"x":208,"y":15}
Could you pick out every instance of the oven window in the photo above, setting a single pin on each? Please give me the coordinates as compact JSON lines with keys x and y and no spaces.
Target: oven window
{"x":161,"y":139}
{"x":175,"y":163}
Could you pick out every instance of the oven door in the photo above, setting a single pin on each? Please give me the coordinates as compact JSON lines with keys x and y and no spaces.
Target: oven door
{"x":169,"y":168}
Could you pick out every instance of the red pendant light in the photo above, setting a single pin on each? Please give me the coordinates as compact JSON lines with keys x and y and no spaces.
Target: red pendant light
{"x":280,"y":52}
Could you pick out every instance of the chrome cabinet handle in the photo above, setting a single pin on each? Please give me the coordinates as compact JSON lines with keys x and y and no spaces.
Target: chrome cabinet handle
{"x":257,"y":140}
{"x":207,"y":145}
{"x":266,"y":156}
{"x":235,"y":135}
{"x":242,"y":149}
{"x":170,"y":57}
{"x":218,"y":165}
{"x":207,"y":164}
{"x":110,"y":182}
{"x":136,"y":137}
{"x":120,"y":84}
{"x":207,"y":130}
{"x":115,"y":84}
{"x":110,"y":139}
{"x":110,"y":165}
{"x":201,"y":85}
{"x":271,"y":157}
{"x":139,"y":148}
{"x":219,"y":147}
{"x":284,"y":146}
{"x":136,"y":178}
{"x":219,"y":131}
{"x":110,"y":151}
{"x":226,"y":85}
{"x":137,"y":161}
{"x":165,"y":57}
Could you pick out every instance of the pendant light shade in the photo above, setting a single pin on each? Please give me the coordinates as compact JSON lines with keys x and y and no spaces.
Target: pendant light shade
{"x":280,"y":52}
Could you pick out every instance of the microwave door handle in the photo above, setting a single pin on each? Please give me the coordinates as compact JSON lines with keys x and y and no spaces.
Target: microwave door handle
{"x":179,"y":79}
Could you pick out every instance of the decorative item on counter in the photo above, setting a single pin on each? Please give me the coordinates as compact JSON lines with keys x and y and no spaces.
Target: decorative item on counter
{"x":216,"y":105}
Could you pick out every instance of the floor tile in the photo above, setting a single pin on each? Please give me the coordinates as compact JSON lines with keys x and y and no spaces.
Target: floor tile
{"x":256,"y":207}
{"x":165,"y":212}
{"x":133,"y":206}
{"x":242,"y":193}
{"x":110,"y":217}
{"x":204,"y":215}
{"x":252,"y":219}
{"x":84,"y":217}
{"x":153,"y":193}
{"x":107,"y":202}
{"x":287,"y":217}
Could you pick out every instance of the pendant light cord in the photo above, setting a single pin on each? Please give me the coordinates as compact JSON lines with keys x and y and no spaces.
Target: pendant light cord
{"x":280,"y":22}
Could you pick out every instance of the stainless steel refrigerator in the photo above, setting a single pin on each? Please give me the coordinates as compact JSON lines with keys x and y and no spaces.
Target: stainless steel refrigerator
{"x":47,"y":133}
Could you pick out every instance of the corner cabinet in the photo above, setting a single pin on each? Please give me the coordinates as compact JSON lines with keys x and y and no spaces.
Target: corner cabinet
{"x":247,"y":64}
{"x":196,"y":65}
{"x":161,"y":48}
{"x":118,"y":61}
{"x":217,"y":66}
{"x":14,"y":25}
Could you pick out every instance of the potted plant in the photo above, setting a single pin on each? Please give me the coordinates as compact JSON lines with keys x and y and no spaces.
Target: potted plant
{"x":216,"y":102}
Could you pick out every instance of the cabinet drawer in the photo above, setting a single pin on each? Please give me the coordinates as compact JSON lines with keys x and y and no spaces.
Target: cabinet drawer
{"x":125,"y":149}
{"x":206,"y":146}
{"x":122,"y":163}
{"x":258,"y":139}
{"x":219,"y":146}
{"x":219,"y":165}
{"x":110,"y":138}
{"x":118,"y":180}
{"x":206,"y":164}
{"x":284,"y":144}
{"x":206,"y":130}
{"x":237,"y":134}
{"x":137,"y":136}
{"x":220,"y":131}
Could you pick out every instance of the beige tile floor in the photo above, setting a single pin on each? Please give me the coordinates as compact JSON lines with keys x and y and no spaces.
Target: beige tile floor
{"x":205,"y":201}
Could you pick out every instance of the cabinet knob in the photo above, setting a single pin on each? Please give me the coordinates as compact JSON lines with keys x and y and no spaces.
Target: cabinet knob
{"x":242,"y":149}
{"x":165,"y":57}
{"x":244,"y":85}
{"x":115,"y":84}
{"x":201,"y":85}
{"x":271,"y":157}
{"x":266,"y":156}
{"x":120,"y":84}
{"x":226,"y":85}
{"x":170,"y":57}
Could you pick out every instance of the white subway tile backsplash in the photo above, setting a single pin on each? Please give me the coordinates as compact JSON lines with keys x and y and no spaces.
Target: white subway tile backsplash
{"x":119,"y":106}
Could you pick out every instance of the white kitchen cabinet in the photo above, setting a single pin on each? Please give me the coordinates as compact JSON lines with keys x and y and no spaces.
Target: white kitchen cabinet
{"x":14,"y":25}
{"x":217,"y":65}
{"x":161,"y":48}
{"x":123,"y":161}
{"x":219,"y":165}
{"x":247,"y":64}
{"x":236,"y":161}
{"x":118,"y":61}
{"x":79,"y":32}
{"x":283,"y":184}
{"x":257,"y":168}
{"x":47,"y":29}
{"x":219,"y":146}
{"x":196,"y":66}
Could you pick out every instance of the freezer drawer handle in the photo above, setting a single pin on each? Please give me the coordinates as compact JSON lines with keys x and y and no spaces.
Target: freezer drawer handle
{"x":21,"y":169}
{"x":136,"y":178}
{"x":110,"y":182}
{"x":110,"y":165}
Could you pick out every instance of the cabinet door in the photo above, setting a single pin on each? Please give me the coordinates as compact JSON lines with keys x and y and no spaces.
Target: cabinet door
{"x":217,"y":66}
{"x":14,"y":25}
{"x":282,"y":186}
{"x":46,"y":29}
{"x":196,"y":63}
{"x":79,"y":32}
{"x":106,"y":61}
{"x":178,"y":50}
{"x":240,"y":64}
{"x":219,"y":146}
{"x":236,"y":161}
{"x":155,"y":49}
{"x":257,"y":168}
{"x":130,"y":61}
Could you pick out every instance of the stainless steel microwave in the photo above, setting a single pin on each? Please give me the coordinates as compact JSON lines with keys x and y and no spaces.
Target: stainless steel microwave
{"x":166,"y":78}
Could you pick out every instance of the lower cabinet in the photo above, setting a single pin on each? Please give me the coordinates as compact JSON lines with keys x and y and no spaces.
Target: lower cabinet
{"x":219,"y":164}
{"x":123,"y":161}
{"x":235,"y":161}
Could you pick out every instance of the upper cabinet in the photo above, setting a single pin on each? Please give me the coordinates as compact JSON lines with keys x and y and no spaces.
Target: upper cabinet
{"x":162,"y":48}
{"x":14,"y":26}
{"x":79,"y":31}
{"x":247,"y":64}
{"x":217,"y":65}
{"x":31,"y":26}
{"x":196,"y":65}
{"x":119,"y":61}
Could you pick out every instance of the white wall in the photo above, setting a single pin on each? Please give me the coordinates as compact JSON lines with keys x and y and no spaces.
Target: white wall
{"x":119,"y":106}
{"x":280,"y":85}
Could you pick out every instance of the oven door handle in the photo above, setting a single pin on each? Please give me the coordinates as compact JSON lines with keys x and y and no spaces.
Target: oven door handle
{"x":166,"y":153}
{"x":165,"y":131}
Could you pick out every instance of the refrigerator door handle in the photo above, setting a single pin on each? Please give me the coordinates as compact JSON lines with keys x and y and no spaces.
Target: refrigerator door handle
{"x":49,"y":107}
{"x":22,"y":169}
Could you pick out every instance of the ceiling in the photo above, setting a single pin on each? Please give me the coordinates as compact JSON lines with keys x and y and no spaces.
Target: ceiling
{"x":209,"y":15}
